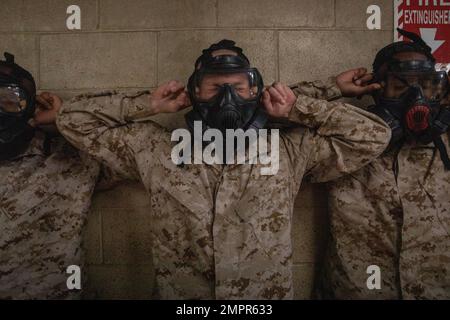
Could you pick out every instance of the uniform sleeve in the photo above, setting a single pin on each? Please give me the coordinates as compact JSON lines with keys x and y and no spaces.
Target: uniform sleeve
{"x":113,"y":128}
{"x":344,"y":138}
{"x":325,"y":90}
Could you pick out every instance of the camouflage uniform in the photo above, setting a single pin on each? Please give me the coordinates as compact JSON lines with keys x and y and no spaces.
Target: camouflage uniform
{"x":393,"y":213}
{"x":222,"y":231}
{"x":43,"y":205}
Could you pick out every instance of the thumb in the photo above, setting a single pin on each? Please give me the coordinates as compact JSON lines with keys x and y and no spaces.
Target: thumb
{"x":359,"y":72}
{"x":371,"y":88}
{"x":43,"y":103}
{"x":361,"y":91}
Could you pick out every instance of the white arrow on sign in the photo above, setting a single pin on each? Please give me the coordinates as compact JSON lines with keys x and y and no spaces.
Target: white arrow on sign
{"x":428,"y":35}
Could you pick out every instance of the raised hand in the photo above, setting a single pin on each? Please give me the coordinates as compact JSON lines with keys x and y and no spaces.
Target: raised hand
{"x":169,"y":97}
{"x":278,"y":100}
{"x":47,"y":107}
{"x":356,"y":83}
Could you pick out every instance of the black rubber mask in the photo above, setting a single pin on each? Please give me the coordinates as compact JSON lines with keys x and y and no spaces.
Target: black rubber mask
{"x":410,"y":102}
{"x":225,"y":91}
{"x":17,"y":106}
{"x":411,"y":92}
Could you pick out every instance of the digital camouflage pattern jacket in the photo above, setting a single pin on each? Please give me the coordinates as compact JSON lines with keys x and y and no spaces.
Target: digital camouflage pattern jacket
{"x":395,"y":214}
{"x":44,"y":200}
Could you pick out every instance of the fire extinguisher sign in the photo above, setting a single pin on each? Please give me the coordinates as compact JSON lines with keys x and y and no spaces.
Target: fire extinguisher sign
{"x":428,"y":18}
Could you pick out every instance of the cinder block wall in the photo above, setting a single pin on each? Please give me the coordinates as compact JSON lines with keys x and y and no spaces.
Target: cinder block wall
{"x":131,"y":44}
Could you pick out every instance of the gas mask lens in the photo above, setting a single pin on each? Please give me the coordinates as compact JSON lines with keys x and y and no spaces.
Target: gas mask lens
{"x":13,"y":99}
{"x":434,"y":85}
{"x":243,"y":84}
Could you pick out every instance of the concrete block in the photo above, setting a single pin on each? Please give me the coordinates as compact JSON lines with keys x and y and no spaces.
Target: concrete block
{"x":125,"y":195}
{"x":309,"y":234}
{"x":92,"y":238}
{"x":303,"y":281}
{"x":268,"y":13}
{"x":98,"y":60}
{"x":311,"y":195}
{"x":45,"y":15}
{"x":310,"y":225}
{"x":178,"y":51}
{"x":24,"y":48}
{"x":144,"y":14}
{"x":353,"y":13}
{"x":119,"y":282}
{"x":127,"y":236}
{"x":311,"y":55}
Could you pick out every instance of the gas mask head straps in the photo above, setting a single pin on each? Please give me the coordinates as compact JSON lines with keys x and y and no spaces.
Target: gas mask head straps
{"x":386,"y":55}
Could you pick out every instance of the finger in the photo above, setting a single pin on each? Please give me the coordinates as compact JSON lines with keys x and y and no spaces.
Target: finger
{"x":43,"y":103}
{"x":267,"y":102}
{"x":173,"y":90}
{"x":166,"y":88}
{"x":281,"y":89}
{"x":188,"y":100}
{"x":181,"y":99}
{"x":359,"y":72}
{"x":290,"y":95}
{"x":369,"y":89}
{"x":276,"y":95}
{"x":175,"y":86}
{"x":182,"y":106}
{"x":54,"y":99}
{"x":374,"y":87}
{"x":45,"y":95}
{"x":175,"y":96}
{"x":365,"y":79}
{"x":32,"y":123}
{"x":177,"y":91}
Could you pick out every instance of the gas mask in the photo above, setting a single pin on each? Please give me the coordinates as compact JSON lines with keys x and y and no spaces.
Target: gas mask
{"x":411,"y":93}
{"x":225,"y":91}
{"x":17,"y":106}
{"x":410,"y":102}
